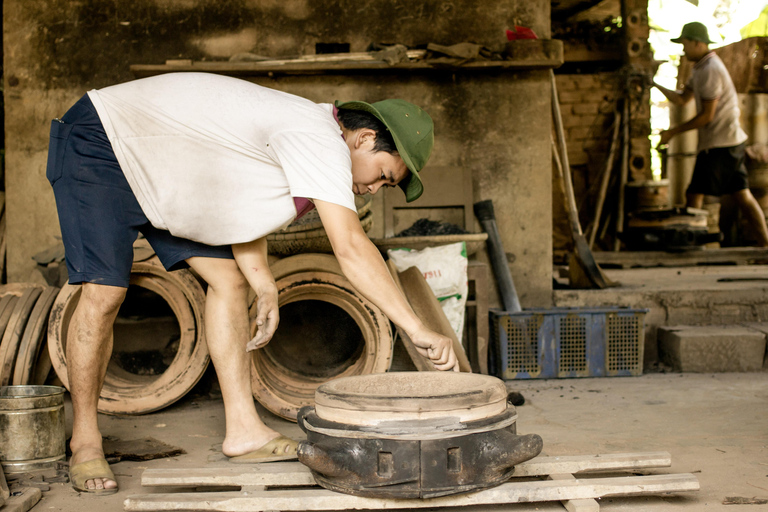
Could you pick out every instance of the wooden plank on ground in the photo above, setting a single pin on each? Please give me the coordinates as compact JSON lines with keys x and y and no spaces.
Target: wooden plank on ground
{"x":296,"y":474}
{"x":271,"y":474}
{"x":588,"y":505}
{"x":322,"y":499}
{"x":542,"y":466}
{"x":22,"y":499}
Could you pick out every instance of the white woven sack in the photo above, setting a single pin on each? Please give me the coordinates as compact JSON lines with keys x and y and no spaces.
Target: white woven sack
{"x":445,"y":270}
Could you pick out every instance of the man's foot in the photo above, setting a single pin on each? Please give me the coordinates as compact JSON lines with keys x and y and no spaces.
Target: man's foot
{"x":279,"y":448}
{"x":251,"y":440}
{"x":89,"y":472}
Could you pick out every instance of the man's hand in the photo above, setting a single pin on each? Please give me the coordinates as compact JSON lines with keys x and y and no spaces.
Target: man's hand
{"x":665,"y":137}
{"x":252,"y":260}
{"x":436,"y":347}
{"x":267,"y":318}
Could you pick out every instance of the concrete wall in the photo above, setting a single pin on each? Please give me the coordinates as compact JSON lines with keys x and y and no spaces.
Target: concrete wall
{"x":494,"y":123}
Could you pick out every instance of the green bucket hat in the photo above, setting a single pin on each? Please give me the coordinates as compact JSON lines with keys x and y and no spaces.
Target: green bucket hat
{"x":695,"y":32}
{"x":413,"y":132}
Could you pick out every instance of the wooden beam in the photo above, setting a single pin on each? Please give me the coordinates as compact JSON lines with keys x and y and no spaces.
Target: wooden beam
{"x":588,"y":505}
{"x":542,"y":466}
{"x":322,"y":499}
{"x":296,"y":474}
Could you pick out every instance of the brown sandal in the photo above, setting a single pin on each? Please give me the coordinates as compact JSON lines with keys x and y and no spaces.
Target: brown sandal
{"x":273,"y":451}
{"x":88,"y":470}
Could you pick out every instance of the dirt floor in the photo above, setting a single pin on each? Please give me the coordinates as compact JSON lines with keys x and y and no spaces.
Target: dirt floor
{"x":713,"y":425}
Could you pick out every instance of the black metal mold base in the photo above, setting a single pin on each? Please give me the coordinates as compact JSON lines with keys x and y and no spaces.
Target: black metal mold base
{"x":359,"y":461}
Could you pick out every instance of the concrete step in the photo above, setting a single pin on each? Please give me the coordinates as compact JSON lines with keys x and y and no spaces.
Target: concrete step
{"x":711,"y":295}
{"x":713,"y":348}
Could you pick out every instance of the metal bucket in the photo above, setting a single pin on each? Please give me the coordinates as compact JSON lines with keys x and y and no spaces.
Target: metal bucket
{"x":32,"y":432}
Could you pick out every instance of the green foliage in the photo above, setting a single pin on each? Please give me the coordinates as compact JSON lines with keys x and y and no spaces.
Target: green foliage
{"x":757,"y":28}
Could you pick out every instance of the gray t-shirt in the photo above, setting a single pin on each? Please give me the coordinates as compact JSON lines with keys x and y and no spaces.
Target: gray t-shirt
{"x":710,"y":81}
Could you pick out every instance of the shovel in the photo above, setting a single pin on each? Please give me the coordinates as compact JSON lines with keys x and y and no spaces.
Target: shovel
{"x":584,"y":270}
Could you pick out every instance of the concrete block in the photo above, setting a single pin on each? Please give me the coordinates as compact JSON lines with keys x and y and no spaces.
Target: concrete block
{"x":711,"y":348}
{"x":761,"y":327}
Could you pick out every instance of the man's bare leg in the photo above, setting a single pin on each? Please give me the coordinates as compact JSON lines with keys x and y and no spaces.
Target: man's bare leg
{"x":89,"y":347}
{"x":754,"y":214}
{"x":227,"y":332}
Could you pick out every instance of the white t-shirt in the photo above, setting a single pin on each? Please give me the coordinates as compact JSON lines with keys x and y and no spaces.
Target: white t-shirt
{"x":217,"y":159}
{"x":710,"y":81}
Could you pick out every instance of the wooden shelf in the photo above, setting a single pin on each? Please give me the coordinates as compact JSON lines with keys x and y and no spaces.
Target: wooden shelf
{"x":522,"y":55}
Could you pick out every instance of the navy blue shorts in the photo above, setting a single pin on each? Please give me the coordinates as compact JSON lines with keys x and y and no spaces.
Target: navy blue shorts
{"x":99,"y":215}
{"x":719,"y":171}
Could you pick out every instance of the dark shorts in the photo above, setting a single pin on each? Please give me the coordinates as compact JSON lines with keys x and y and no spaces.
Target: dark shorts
{"x":719,"y":171}
{"x":99,"y":215}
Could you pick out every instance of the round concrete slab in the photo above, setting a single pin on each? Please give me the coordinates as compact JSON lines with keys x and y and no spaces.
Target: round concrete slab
{"x":403,"y":396}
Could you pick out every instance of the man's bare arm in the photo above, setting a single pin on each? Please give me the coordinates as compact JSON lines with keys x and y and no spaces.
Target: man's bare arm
{"x":252,"y":260}
{"x":363,"y":265}
{"x":702,"y":119}
{"x":676,"y":97}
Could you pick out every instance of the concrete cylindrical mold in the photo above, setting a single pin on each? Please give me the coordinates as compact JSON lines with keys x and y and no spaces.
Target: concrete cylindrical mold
{"x":328,"y":330}
{"x":32,"y":423}
{"x":754,"y":117}
{"x":125,"y":392}
{"x":681,"y":155}
{"x":648,"y":194}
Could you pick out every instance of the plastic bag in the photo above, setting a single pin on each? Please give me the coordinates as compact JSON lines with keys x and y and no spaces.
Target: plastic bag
{"x":445,"y":270}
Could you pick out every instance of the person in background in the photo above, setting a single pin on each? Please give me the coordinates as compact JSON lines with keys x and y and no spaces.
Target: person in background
{"x":719,"y":168}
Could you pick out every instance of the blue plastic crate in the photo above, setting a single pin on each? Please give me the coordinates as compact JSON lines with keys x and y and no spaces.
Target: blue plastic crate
{"x":568,"y":342}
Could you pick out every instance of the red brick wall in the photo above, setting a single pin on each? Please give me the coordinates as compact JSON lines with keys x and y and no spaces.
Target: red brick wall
{"x":587,"y":104}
